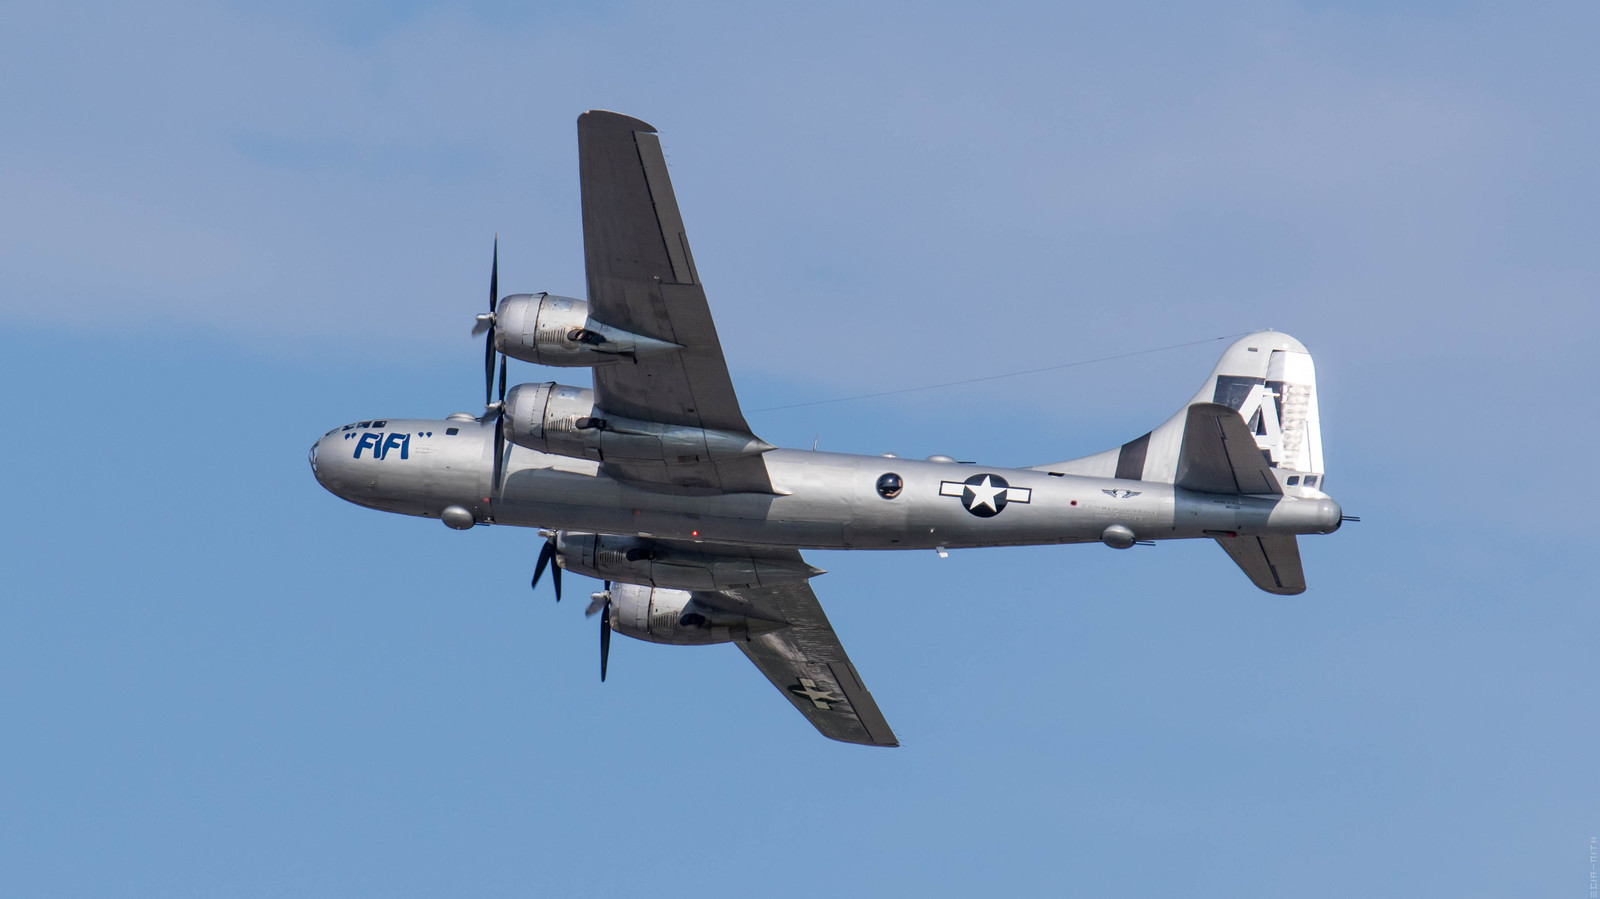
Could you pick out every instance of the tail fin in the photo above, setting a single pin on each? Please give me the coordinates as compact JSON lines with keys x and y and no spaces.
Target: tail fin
{"x":1267,"y":378}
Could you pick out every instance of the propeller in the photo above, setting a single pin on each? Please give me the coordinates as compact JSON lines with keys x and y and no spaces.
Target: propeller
{"x":547,"y":554}
{"x":498,"y":411}
{"x":601,"y":602}
{"x":485,"y":325}
{"x":605,"y":641}
{"x":492,"y":404}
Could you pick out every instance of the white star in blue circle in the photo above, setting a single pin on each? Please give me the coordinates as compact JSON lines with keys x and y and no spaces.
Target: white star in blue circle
{"x":985,"y":495}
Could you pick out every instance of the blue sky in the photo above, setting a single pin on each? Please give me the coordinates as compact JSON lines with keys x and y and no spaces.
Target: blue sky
{"x":225,"y":228}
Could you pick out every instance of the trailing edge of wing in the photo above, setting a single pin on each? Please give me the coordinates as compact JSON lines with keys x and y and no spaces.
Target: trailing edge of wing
{"x":642,"y":279}
{"x":808,"y":665}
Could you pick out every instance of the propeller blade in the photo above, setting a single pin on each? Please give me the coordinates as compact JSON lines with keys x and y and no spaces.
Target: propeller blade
{"x":499,"y":409}
{"x":488,"y":367}
{"x":605,"y":640}
{"x":499,"y":452}
{"x":488,"y":343}
{"x":546,"y":553}
{"x":598,"y":601}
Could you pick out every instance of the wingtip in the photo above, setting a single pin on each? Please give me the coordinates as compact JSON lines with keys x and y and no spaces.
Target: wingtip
{"x":891,"y":743}
{"x":605,"y":118}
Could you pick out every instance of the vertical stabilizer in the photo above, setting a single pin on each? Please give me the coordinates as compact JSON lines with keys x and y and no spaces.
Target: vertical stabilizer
{"x":1268,"y":379}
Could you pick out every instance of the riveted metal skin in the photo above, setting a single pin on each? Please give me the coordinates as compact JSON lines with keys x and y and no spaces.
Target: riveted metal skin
{"x":563,"y":420}
{"x":821,"y":500}
{"x":678,"y":617}
{"x":549,"y":330}
{"x":655,"y":481}
{"x":639,"y":560}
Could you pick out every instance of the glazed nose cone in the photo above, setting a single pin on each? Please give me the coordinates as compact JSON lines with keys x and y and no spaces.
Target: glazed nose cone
{"x":325,"y":460}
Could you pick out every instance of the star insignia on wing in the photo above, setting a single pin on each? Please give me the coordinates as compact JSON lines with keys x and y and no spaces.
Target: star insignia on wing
{"x":820,"y":696}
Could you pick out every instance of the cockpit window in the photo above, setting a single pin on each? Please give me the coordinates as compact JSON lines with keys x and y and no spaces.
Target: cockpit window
{"x":379,"y":424}
{"x":365,"y":424}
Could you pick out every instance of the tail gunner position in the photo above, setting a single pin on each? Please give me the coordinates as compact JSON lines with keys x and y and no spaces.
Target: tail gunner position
{"x":652,"y":481}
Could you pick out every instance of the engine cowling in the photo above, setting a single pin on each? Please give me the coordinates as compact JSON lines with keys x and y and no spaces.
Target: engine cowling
{"x":660,"y":615}
{"x":556,"y":418}
{"x":550,"y":330}
{"x":639,"y":560}
{"x":546,"y":417}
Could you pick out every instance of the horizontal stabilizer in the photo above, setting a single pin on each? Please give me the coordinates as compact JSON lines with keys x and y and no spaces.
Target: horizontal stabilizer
{"x":1271,"y":563}
{"x":1219,"y":455}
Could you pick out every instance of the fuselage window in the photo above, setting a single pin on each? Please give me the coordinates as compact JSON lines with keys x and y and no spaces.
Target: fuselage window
{"x":890,"y":485}
{"x":451,"y":432}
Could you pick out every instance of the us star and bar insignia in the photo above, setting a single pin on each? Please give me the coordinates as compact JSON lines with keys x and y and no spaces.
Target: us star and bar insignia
{"x":985,"y":495}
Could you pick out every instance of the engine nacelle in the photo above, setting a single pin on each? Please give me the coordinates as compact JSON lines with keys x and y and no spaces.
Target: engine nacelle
{"x":545,"y":417}
{"x":639,"y":560}
{"x":660,"y":615}
{"x":556,"y":418}
{"x":551,"y":330}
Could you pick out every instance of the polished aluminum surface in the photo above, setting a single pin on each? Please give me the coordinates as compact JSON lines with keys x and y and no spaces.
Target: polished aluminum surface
{"x":653,"y":480}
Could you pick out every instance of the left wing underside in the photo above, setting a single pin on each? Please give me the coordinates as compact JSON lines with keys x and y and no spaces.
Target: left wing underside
{"x":807,"y":663}
{"x":642,"y":280}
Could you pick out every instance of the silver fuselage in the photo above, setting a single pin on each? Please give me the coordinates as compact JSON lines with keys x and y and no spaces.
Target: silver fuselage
{"x":821,"y":500}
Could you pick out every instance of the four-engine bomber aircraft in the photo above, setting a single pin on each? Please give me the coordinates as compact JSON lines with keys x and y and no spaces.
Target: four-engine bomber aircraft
{"x":652,"y":481}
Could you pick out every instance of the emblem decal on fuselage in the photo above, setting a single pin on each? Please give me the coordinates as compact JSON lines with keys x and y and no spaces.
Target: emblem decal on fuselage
{"x":1119,"y":493}
{"x":985,"y":495}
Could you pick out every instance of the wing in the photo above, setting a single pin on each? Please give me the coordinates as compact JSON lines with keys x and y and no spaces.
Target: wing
{"x":807,"y":664}
{"x":642,"y":279}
